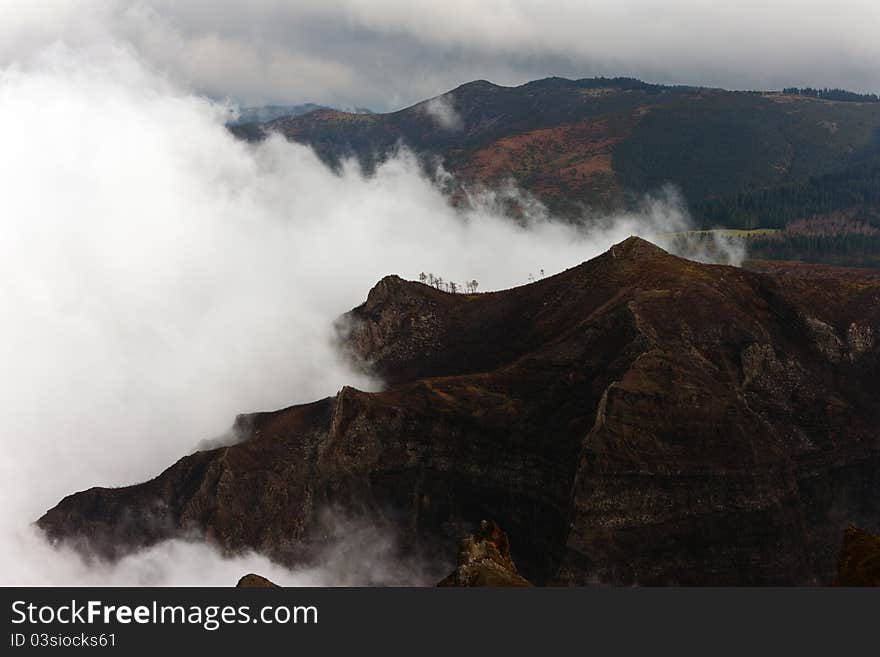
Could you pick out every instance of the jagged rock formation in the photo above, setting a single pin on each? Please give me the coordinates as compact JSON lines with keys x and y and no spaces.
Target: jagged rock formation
{"x":636,"y":419}
{"x":859,"y":563}
{"x":252,"y":580}
{"x":484,"y":560}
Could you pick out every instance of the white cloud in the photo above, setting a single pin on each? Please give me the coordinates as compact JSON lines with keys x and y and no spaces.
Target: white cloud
{"x":442,"y":110}
{"x":160,"y":277}
{"x":389,"y":53}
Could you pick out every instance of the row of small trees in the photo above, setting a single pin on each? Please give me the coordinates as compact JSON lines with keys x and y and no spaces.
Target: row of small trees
{"x":468,"y":287}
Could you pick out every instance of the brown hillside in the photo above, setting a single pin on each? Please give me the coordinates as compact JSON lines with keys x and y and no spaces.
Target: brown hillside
{"x":638,"y":418}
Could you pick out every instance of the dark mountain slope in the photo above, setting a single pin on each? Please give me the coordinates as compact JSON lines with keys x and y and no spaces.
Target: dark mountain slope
{"x":265,"y":113}
{"x":636,"y":419}
{"x":602,"y":141}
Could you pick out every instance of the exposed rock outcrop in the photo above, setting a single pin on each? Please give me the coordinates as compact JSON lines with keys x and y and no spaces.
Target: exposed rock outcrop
{"x":252,"y":580}
{"x":860,"y":340}
{"x":484,"y":560}
{"x":636,"y":419}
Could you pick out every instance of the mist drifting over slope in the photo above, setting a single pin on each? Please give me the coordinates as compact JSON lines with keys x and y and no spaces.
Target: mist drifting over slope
{"x":160,"y":277}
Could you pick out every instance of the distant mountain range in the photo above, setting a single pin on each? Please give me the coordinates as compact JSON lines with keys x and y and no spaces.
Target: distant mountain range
{"x":742,"y":160}
{"x":265,"y":113}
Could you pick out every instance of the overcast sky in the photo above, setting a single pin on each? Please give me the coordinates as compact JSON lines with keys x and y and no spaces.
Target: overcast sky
{"x":160,"y":276}
{"x":385,"y":54}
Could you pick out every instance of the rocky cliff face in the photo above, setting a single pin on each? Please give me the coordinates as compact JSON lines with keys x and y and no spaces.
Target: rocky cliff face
{"x":484,"y":560}
{"x":254,"y":581}
{"x":636,"y":419}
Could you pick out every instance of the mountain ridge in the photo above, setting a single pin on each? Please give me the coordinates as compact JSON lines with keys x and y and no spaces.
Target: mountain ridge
{"x":595,"y":141}
{"x":638,"y":418}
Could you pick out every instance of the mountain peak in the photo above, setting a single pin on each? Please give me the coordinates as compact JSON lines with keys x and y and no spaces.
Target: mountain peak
{"x":477,"y":85}
{"x":636,"y":247}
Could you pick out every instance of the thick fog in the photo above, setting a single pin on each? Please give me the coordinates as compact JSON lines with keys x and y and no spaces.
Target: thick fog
{"x":160,"y":277}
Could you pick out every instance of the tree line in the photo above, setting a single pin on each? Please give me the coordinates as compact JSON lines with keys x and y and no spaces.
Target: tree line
{"x":832,"y":94}
{"x":841,"y":238}
{"x":855,"y":187}
{"x":469,"y":287}
{"x":835,"y":239}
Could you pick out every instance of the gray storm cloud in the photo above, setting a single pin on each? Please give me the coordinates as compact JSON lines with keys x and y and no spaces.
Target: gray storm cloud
{"x":388,"y":53}
{"x":160,"y":277}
